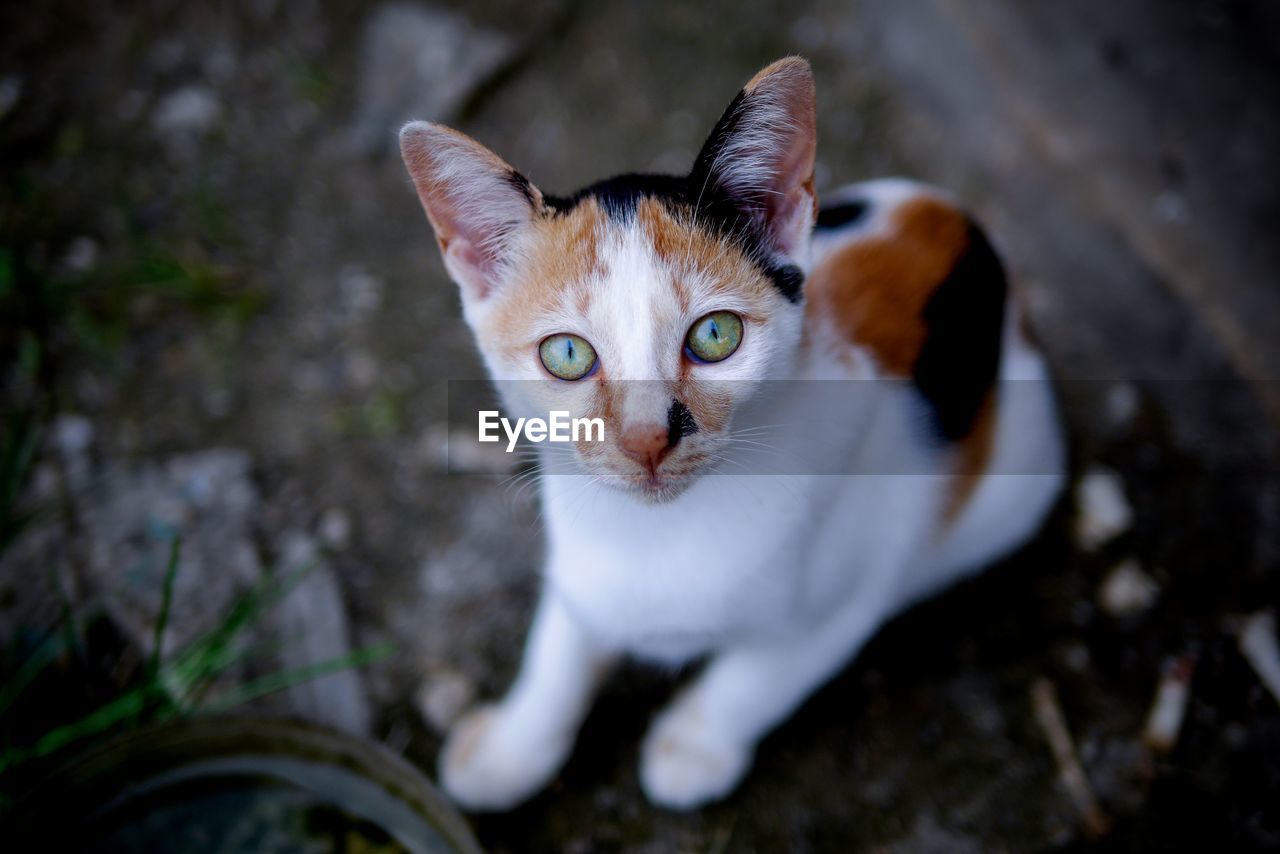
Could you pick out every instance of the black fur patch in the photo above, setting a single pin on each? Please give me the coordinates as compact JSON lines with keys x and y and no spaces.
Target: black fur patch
{"x":845,"y":213}
{"x":958,"y":363}
{"x":787,"y":278}
{"x":619,"y":196}
{"x":521,"y":184}
{"x":737,"y":220}
{"x":680,"y":423}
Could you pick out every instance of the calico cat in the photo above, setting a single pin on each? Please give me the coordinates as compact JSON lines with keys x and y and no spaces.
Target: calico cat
{"x":695,"y":315}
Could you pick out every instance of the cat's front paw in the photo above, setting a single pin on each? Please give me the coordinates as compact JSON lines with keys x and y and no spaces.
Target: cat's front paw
{"x":489,"y":762}
{"x":684,"y":766}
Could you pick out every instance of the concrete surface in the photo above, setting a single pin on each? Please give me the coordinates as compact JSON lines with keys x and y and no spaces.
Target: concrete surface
{"x":214,"y":250}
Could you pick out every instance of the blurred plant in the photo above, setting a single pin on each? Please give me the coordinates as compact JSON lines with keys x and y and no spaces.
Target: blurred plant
{"x":175,"y":687}
{"x":380,"y":415}
{"x":17,"y":454}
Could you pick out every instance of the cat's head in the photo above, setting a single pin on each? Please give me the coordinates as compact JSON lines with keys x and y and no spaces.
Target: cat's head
{"x":656,"y":303}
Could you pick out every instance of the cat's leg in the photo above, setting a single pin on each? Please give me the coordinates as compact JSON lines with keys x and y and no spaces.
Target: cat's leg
{"x":701,"y":745}
{"x":499,"y":755}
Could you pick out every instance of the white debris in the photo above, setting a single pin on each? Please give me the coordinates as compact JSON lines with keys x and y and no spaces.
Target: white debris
{"x":193,"y":109}
{"x":1258,"y":644}
{"x":444,"y":697}
{"x":1103,"y":511}
{"x":71,"y":437}
{"x":1169,"y":709}
{"x":1123,"y":403}
{"x":1127,"y":590}
{"x":335,"y":528}
{"x":82,"y":255}
{"x":72,"y":434}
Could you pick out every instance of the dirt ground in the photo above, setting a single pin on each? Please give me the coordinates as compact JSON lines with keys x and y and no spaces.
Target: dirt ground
{"x":222,"y":302}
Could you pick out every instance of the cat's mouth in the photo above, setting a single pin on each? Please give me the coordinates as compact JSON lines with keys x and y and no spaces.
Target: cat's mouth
{"x":663,"y":485}
{"x":658,"y":488}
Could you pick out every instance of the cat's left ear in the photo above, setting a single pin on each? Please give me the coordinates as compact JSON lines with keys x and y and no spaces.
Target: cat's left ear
{"x":477,"y":204}
{"x":758,"y":161}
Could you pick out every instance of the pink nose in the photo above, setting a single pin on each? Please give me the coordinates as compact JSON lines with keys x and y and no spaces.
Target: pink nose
{"x":647,"y":444}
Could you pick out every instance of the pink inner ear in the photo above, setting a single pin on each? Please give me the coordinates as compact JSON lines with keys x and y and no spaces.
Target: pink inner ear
{"x":471,"y":200}
{"x":766,"y":160}
{"x":791,"y":201}
{"x":470,"y":267}
{"x":789,"y":198}
{"x":792,"y":219}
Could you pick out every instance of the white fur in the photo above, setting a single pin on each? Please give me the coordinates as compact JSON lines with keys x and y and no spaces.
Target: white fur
{"x":779,"y":577}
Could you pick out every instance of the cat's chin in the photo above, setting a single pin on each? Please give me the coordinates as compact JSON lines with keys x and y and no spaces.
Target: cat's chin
{"x":648,"y":489}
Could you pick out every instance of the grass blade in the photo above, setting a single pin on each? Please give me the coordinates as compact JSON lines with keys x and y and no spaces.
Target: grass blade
{"x":283,"y":679}
{"x":127,"y":707}
{"x":166,"y":600}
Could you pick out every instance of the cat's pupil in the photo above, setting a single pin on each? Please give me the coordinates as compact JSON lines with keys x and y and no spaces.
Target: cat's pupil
{"x":568,"y":346}
{"x":715,"y":331}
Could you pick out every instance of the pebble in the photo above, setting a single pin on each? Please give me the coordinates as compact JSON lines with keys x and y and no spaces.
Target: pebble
{"x":192,"y":109}
{"x":1103,"y":511}
{"x":1127,"y":590}
{"x":335,"y":528}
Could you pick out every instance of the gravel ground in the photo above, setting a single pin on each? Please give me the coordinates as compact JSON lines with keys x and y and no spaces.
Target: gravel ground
{"x":209,"y":241}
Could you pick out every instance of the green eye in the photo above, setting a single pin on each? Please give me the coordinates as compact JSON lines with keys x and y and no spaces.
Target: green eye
{"x":715,"y":337}
{"x":567,"y":356}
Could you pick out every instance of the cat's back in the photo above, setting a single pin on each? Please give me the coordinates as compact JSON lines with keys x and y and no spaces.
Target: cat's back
{"x":904,"y":277}
{"x":906,"y":287}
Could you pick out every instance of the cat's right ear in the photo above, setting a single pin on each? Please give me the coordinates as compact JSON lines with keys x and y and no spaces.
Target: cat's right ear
{"x":477,"y":204}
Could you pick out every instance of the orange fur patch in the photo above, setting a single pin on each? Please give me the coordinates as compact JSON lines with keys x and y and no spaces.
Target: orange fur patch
{"x":564,"y":259}
{"x":690,"y":251}
{"x":875,"y":288}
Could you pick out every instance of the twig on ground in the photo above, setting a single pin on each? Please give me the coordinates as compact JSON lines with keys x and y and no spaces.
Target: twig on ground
{"x":1048,"y":712}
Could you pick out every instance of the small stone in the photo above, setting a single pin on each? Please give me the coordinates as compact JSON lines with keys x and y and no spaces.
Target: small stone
{"x":1074,"y":656}
{"x":1127,"y":590}
{"x":444,"y":697}
{"x":82,"y":255}
{"x":1103,"y":511}
{"x":72,"y":434}
{"x":335,"y":528}
{"x":193,"y":109}
{"x":1122,"y":406}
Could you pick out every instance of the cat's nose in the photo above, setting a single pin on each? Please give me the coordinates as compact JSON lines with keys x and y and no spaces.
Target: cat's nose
{"x":647,"y":444}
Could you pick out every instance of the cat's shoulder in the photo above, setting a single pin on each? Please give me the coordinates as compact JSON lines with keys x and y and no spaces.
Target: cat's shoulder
{"x":902,"y":274}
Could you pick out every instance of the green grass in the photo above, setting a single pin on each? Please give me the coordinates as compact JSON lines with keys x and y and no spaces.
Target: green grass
{"x":17,"y":455}
{"x":179,"y":686}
